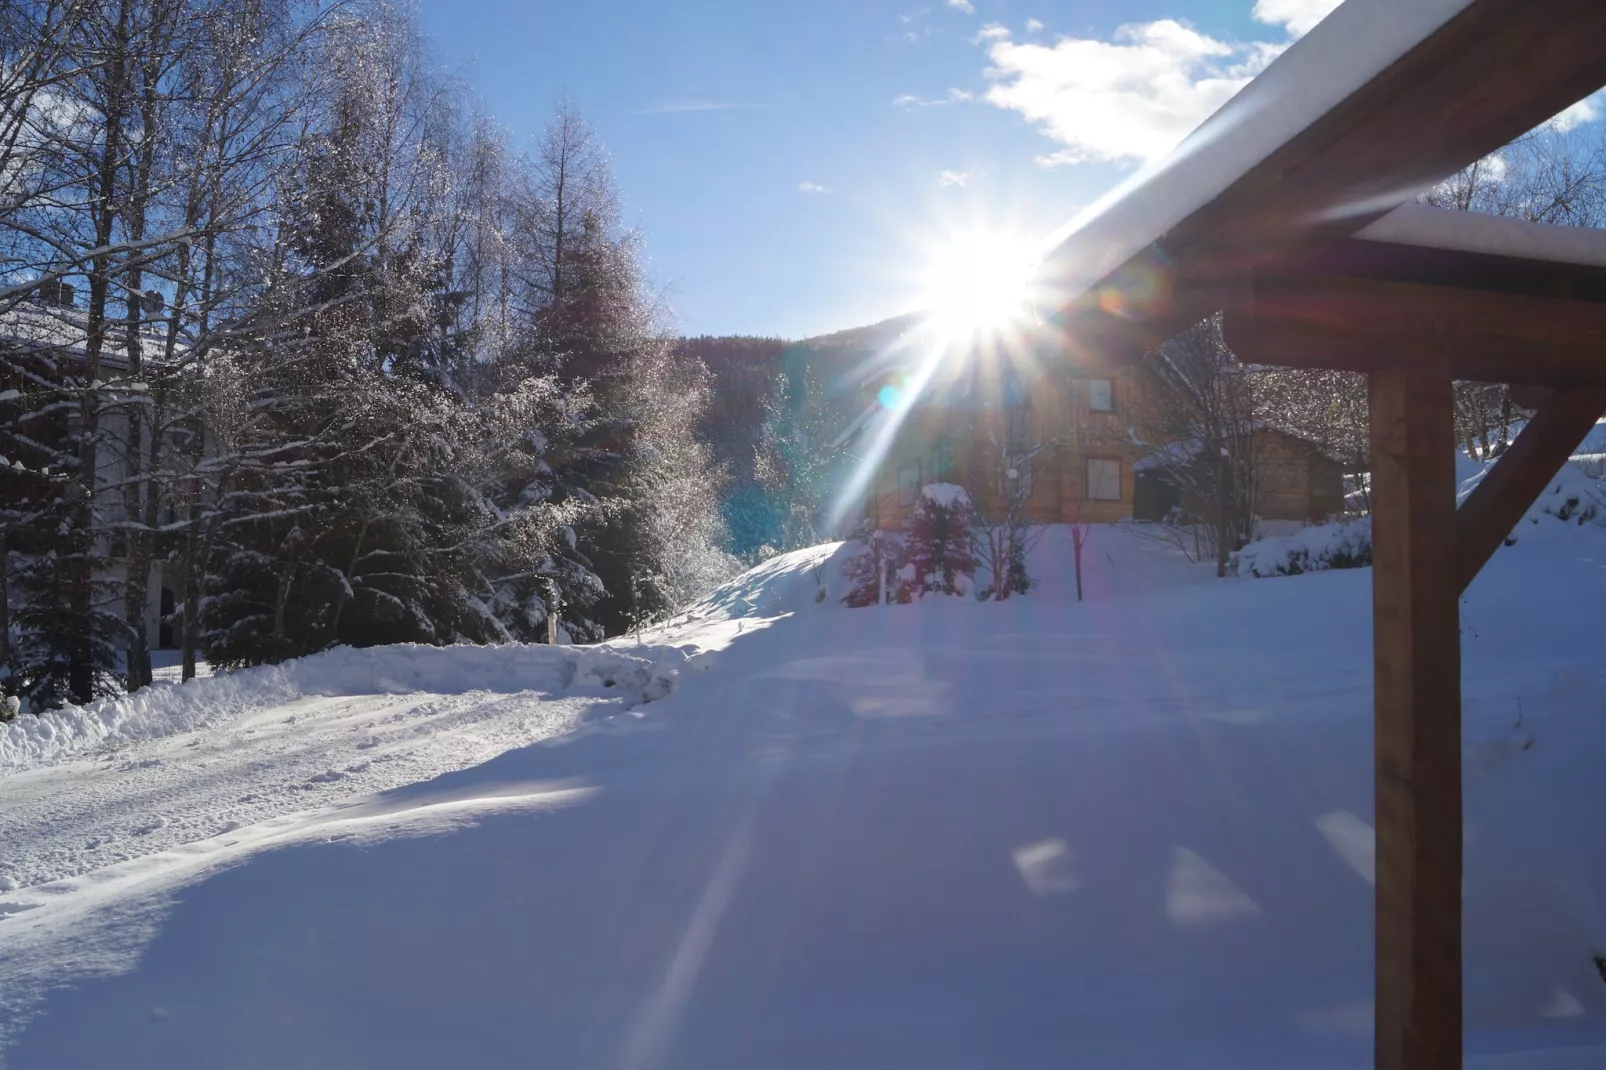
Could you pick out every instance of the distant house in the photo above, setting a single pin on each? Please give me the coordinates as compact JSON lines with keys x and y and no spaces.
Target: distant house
{"x":1086,"y":462}
{"x":981,"y":417}
{"x":1294,"y":480}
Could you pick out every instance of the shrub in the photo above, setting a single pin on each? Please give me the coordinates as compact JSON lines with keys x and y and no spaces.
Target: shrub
{"x":939,"y":541}
{"x":881,"y":554}
{"x":1342,"y":544}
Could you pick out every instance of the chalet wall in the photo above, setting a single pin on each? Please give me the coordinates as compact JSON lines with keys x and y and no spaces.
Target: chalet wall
{"x":1296,"y":482}
{"x":956,"y":443}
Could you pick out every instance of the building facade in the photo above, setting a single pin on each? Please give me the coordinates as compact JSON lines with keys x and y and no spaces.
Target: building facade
{"x":1065,"y":442}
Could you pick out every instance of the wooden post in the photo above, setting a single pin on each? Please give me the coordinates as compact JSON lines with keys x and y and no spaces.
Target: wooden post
{"x":1417,"y":707}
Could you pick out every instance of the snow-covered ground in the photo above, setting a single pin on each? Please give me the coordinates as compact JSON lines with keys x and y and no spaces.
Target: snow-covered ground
{"x":1129,"y":832}
{"x":170,"y":766}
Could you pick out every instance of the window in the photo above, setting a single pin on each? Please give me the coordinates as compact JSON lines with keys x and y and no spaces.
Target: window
{"x":1013,"y":390}
{"x":1021,"y":481}
{"x":908,"y":484}
{"x":1103,"y":480}
{"x":1101,"y":395}
{"x":942,"y":459}
{"x":1017,"y":429}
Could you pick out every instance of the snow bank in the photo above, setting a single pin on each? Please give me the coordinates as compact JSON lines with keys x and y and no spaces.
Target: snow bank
{"x":1342,"y":544}
{"x":1570,"y":496}
{"x":1571,"y":499}
{"x":161,"y":710}
{"x":786,"y":583}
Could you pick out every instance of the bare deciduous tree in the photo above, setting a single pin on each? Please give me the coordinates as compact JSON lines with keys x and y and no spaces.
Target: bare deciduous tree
{"x":1004,"y":533}
{"x":1198,"y":409}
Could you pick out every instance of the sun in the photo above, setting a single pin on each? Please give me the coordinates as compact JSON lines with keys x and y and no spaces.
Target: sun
{"x":980,"y":280}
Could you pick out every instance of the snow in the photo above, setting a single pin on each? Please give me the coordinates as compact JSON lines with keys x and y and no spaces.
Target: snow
{"x":1571,"y":499}
{"x":1358,"y":41}
{"x":1317,"y":548}
{"x":1131,"y":831}
{"x":168,"y":709}
{"x":947,"y":495}
{"x":1475,"y":232}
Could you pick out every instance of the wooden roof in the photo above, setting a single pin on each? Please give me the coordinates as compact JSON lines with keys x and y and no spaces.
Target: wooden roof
{"x":1377,"y":103}
{"x":1509,"y":316}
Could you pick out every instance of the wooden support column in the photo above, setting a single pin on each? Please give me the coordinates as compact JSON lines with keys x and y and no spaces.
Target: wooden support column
{"x":1417,"y":710}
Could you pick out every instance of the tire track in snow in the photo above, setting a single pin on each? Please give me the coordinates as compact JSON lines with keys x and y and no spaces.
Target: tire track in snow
{"x":135,"y":800}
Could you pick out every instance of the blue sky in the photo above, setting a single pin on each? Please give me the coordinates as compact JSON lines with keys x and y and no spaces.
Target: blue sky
{"x":799,"y":167}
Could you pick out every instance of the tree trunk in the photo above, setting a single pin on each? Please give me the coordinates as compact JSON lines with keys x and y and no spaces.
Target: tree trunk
{"x":7,"y":686}
{"x":136,"y":540}
{"x":80,"y":564}
{"x":139,"y":488}
{"x":192,"y":584}
{"x":351,"y":570}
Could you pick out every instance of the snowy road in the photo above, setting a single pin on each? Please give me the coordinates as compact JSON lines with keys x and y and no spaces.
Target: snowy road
{"x":134,"y":800}
{"x":271,"y":742}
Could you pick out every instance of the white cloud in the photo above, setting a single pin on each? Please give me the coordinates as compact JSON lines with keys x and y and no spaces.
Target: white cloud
{"x":1297,"y":16}
{"x":953,"y":96}
{"x":915,"y":25}
{"x":954,"y":178}
{"x":963,"y":5}
{"x":811,"y":187}
{"x":1132,"y":98}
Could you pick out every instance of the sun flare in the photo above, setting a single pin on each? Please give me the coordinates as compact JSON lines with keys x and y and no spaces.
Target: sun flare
{"x":980,"y":280}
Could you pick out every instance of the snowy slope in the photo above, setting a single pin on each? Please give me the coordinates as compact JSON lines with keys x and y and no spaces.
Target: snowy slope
{"x":1130,"y":832}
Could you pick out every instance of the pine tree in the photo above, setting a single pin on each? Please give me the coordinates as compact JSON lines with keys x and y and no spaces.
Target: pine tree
{"x":62,"y":644}
{"x":653,"y":535}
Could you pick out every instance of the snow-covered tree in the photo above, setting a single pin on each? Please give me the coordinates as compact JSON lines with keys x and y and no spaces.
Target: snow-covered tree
{"x":938,"y":537}
{"x":284,"y":313}
{"x":875,"y":572}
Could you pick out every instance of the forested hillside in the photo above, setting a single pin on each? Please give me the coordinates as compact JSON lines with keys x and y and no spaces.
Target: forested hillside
{"x":777,"y":412}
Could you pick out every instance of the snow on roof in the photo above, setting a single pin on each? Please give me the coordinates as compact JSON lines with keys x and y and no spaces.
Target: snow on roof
{"x":48,"y":327}
{"x":1473,"y":232}
{"x":1344,"y":52}
{"x":946,"y":495}
{"x":1183,"y":450}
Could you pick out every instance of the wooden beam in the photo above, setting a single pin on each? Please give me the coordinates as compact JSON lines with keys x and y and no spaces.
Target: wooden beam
{"x":1315,"y":321}
{"x":1293,"y":344}
{"x":1510,"y":487}
{"x":1530,"y":395}
{"x":1357,"y":258}
{"x":1417,"y":709}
